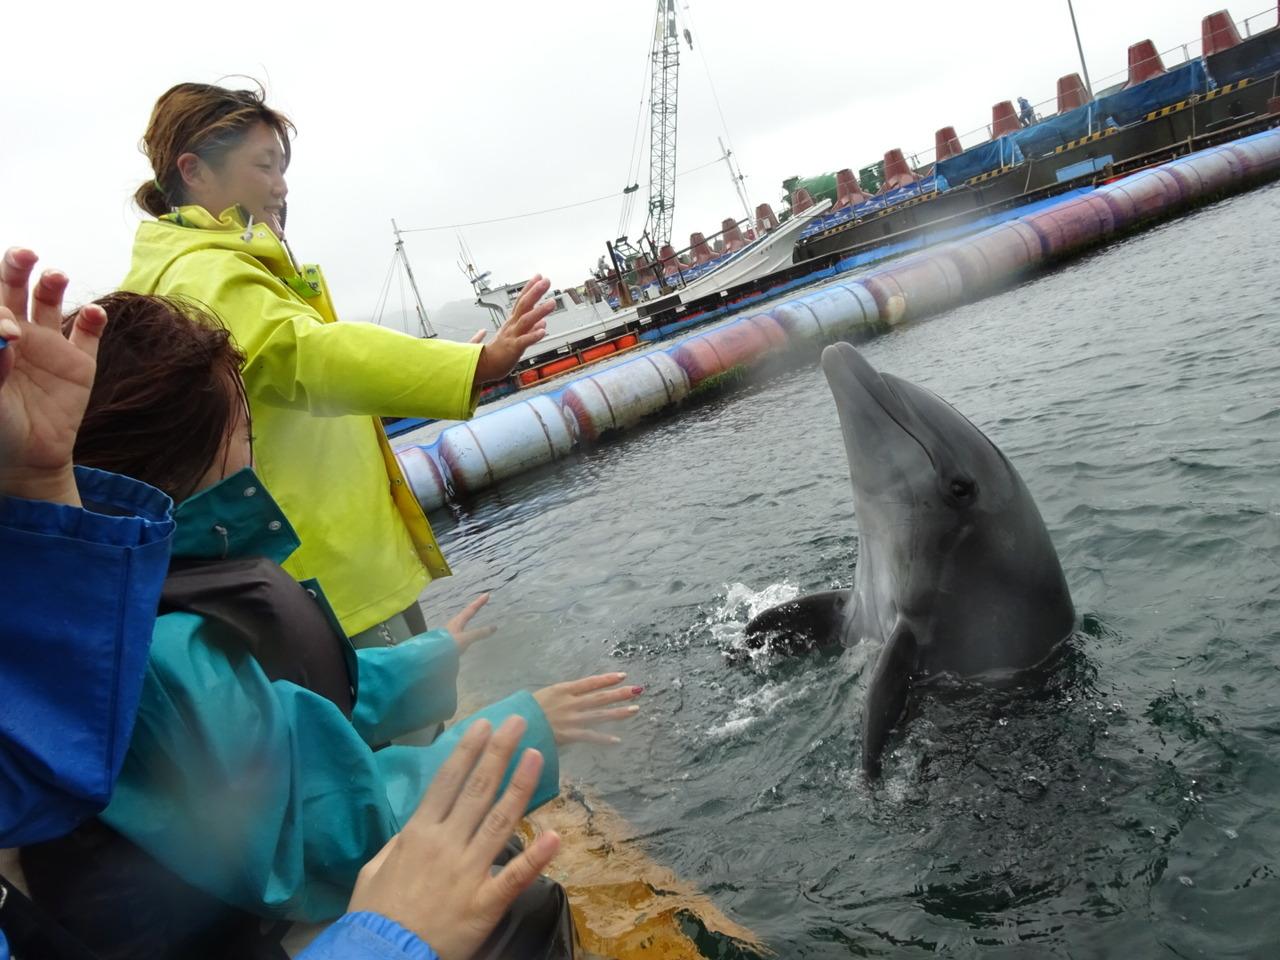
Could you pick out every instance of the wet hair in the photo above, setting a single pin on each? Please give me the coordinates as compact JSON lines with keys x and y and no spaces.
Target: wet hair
{"x":206,"y":120}
{"x":165,"y":394}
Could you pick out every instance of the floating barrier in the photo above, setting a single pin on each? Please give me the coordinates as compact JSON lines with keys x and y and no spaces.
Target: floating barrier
{"x":622,"y":396}
{"x":469,"y":457}
{"x":487,"y":450}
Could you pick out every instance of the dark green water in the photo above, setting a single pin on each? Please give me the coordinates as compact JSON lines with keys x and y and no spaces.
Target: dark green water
{"x":1130,"y":809}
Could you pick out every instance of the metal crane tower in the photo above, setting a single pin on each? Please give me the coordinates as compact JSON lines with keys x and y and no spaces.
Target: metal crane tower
{"x":664,"y":73}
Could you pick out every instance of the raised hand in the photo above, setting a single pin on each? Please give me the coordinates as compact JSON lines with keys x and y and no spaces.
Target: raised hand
{"x":576,"y":709}
{"x":45,"y":380}
{"x":457,"y":625}
{"x":525,"y":327}
{"x":434,"y":877}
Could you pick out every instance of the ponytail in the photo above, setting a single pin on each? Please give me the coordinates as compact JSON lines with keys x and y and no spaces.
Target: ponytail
{"x":151,"y":198}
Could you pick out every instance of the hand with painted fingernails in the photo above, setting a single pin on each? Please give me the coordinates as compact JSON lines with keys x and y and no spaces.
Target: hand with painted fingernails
{"x":45,"y":381}
{"x":577,"y":709}
{"x":457,"y":625}
{"x":525,"y":327}
{"x":435,"y":876}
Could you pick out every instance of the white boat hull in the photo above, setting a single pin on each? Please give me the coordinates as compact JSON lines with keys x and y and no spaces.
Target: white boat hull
{"x":761,"y":257}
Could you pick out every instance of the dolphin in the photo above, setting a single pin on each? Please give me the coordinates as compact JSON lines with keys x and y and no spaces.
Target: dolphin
{"x":956,"y":574}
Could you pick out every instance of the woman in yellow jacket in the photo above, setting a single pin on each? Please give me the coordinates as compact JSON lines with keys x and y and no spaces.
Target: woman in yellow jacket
{"x":316,"y":386}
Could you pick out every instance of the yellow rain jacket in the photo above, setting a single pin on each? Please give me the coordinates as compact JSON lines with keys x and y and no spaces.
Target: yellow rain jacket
{"x":316,"y":387}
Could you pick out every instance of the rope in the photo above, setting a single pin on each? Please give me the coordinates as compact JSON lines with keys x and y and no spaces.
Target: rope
{"x":687,"y":14}
{"x":539,"y":213}
{"x":633,"y":164}
{"x":386,"y":290}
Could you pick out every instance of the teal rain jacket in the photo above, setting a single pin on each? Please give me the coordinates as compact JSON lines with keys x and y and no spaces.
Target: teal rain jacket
{"x":262,"y":793}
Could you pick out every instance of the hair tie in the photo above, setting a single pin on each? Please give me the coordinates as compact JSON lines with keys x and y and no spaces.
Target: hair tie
{"x":159,"y":186}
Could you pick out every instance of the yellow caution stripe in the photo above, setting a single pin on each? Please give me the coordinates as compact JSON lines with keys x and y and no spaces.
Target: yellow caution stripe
{"x":1091,"y":138}
{"x":1229,"y":88}
{"x":986,"y":176}
{"x":1182,"y":105}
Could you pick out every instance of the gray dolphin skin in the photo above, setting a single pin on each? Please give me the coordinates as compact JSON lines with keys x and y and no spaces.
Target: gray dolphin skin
{"x":956,"y":574}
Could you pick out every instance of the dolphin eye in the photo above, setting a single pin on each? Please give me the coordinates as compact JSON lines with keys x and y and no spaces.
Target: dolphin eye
{"x":962,"y":489}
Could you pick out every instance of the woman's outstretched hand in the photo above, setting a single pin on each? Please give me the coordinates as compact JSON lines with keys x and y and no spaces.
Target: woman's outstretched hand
{"x":576,"y":709}
{"x":434,"y":877}
{"x":45,"y":380}
{"x":525,"y":327}
{"x":457,"y":625}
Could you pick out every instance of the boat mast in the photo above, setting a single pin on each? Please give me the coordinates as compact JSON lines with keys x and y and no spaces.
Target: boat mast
{"x":735,"y":174}
{"x":423,"y":323}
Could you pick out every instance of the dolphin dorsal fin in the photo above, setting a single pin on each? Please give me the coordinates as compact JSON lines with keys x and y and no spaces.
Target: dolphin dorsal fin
{"x":887,"y":694}
{"x":812,"y":622}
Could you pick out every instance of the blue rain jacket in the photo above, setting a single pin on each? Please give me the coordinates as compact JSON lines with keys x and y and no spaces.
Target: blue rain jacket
{"x":262,"y":793}
{"x":79,"y":593}
{"x":366,"y":936}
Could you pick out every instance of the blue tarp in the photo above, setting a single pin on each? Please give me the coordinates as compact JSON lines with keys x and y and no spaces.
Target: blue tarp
{"x":1130,"y":106}
{"x":1049,"y":134}
{"x":925,"y":185}
{"x":992,"y":155}
{"x":1118,"y":109}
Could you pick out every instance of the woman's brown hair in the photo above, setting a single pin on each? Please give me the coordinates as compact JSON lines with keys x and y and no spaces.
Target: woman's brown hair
{"x":165,"y":394}
{"x":206,"y":120}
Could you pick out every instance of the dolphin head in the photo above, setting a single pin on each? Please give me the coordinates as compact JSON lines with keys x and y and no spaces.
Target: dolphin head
{"x":953,"y":554}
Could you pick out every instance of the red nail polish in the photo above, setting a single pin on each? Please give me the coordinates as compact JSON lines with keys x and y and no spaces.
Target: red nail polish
{"x":636,"y":691}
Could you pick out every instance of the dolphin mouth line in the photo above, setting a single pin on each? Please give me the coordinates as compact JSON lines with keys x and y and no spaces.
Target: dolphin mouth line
{"x":846,"y":367}
{"x":850,"y":366}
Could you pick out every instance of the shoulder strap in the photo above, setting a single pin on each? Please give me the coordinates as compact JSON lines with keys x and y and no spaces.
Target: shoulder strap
{"x":267,"y":614}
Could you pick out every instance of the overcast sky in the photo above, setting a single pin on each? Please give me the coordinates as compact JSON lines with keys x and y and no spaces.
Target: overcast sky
{"x":438,"y":113}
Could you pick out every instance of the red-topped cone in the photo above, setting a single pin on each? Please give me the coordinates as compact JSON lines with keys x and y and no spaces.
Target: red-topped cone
{"x":766,"y":220}
{"x":801,"y":201}
{"x":1004,"y":119}
{"x":1144,"y":63}
{"x":1218,"y":32}
{"x":896,"y":172}
{"x":670,"y":262}
{"x":946,"y":144}
{"x":848,"y":193}
{"x":644,"y":271}
{"x":733,"y":241}
{"x":1071,"y":92}
{"x":701,"y":252}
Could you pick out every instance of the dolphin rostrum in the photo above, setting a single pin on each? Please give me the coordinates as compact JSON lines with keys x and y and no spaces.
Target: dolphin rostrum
{"x":956,"y":574}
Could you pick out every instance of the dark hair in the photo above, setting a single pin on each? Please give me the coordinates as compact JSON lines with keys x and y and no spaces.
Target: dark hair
{"x":164,"y":397}
{"x":206,"y":120}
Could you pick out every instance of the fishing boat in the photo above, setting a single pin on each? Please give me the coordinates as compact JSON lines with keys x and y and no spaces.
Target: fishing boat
{"x":590,"y":323}
{"x":593,"y":322}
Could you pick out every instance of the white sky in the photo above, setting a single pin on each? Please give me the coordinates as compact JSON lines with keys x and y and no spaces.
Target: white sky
{"x":439,"y":113}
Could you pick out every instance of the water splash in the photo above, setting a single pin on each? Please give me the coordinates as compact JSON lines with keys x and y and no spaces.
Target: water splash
{"x":727,"y":620}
